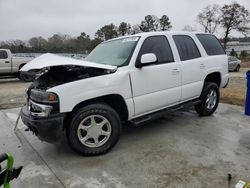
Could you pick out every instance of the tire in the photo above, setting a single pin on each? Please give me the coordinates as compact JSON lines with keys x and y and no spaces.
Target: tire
{"x":209,"y":99}
{"x":26,"y":76}
{"x":94,"y":130}
{"x":237,"y":68}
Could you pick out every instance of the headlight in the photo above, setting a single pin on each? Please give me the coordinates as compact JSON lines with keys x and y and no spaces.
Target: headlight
{"x":43,"y":96}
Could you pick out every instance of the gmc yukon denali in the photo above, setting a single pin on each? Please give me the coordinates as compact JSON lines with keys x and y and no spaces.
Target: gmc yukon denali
{"x":129,"y":79}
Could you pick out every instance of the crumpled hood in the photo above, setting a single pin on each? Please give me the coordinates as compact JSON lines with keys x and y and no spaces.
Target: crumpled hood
{"x":50,"y":60}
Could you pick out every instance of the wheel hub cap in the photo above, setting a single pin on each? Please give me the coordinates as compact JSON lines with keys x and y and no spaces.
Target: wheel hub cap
{"x":211,"y":99}
{"x":94,"y":131}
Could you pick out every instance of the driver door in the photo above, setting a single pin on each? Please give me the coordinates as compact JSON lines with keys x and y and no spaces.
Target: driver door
{"x":156,"y":85}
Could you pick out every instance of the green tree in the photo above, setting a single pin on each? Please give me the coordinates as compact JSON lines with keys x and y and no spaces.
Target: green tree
{"x":233,"y":53}
{"x":150,"y":23}
{"x":83,"y":43}
{"x":124,"y":29}
{"x":234,"y":17}
{"x":243,"y":55}
{"x":38,"y":44}
{"x":165,"y":24}
{"x":107,"y":32}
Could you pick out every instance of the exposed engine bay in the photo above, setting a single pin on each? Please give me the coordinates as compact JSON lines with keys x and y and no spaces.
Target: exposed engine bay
{"x":57,"y":75}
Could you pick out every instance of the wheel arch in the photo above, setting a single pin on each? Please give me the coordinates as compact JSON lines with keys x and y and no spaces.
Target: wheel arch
{"x":115,"y":101}
{"x":20,"y":66}
{"x":214,"y":77}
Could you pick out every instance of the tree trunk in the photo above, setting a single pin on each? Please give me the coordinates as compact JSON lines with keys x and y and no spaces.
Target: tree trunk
{"x":226,"y":38}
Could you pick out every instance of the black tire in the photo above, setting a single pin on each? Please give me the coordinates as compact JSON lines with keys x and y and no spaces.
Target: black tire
{"x":26,"y":76}
{"x":237,"y":68}
{"x":99,"y":109}
{"x":202,"y":108}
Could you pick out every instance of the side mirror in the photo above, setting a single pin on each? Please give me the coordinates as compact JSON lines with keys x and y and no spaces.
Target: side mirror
{"x":148,"y":58}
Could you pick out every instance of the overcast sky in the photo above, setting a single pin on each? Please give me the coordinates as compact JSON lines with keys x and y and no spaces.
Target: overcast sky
{"x":23,"y":19}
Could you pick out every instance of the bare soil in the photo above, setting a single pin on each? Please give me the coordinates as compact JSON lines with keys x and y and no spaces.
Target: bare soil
{"x":235,"y":93}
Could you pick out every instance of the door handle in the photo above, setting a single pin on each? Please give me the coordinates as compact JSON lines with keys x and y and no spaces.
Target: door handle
{"x":7,"y":61}
{"x":202,"y":66}
{"x":175,"y":71}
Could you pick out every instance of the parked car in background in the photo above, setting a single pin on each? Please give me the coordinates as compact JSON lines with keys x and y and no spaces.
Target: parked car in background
{"x":133,"y":78}
{"x":10,"y":66}
{"x":233,"y":63}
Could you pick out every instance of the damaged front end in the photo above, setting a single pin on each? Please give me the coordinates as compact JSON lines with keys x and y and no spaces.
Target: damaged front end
{"x":42,"y":111}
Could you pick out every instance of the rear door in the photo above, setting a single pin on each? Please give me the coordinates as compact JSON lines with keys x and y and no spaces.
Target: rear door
{"x":5,"y":63}
{"x":192,"y":66}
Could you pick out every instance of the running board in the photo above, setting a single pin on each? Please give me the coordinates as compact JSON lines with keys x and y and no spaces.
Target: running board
{"x":156,"y":115}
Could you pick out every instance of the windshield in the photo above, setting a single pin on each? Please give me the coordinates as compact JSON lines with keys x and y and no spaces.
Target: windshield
{"x":116,"y":52}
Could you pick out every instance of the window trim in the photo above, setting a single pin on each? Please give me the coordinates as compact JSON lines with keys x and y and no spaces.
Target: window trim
{"x":138,"y":64}
{"x":213,"y":37}
{"x":194,"y":44}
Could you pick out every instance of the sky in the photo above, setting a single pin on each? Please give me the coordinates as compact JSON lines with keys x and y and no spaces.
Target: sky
{"x":23,"y":19}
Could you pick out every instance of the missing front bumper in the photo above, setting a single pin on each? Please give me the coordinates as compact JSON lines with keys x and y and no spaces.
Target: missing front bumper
{"x":49,"y":129}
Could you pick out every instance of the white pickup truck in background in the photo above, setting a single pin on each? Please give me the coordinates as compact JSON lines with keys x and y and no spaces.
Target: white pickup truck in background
{"x":10,"y":66}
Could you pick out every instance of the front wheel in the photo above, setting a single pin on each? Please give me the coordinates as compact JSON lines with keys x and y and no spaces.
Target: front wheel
{"x":94,"y":129}
{"x":209,"y":99}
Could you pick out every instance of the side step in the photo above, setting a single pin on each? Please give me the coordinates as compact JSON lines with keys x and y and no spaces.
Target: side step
{"x":156,"y":115}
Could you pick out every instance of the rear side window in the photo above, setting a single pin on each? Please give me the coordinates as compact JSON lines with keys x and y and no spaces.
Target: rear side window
{"x":159,"y":46}
{"x":3,"y":54}
{"x":211,"y":44}
{"x":186,"y":47}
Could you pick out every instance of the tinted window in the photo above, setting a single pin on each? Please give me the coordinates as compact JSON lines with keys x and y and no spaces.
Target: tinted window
{"x":211,"y":44}
{"x":186,"y":47}
{"x":159,"y":46}
{"x":3,"y":54}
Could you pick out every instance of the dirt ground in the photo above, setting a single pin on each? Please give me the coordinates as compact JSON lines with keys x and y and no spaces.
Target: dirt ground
{"x":12,"y":92}
{"x":235,"y":92}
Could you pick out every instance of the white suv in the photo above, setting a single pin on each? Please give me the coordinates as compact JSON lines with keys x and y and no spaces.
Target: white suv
{"x":133,"y":78}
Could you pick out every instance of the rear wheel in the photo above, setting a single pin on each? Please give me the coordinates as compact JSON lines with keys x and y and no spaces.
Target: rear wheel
{"x":94,"y":129}
{"x":209,"y":99}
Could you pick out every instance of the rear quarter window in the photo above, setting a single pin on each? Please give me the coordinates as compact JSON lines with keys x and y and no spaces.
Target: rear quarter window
{"x":211,"y":44}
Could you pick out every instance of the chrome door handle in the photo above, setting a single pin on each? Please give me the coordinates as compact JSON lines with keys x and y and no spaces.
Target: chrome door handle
{"x":202,"y":66}
{"x":175,"y":71}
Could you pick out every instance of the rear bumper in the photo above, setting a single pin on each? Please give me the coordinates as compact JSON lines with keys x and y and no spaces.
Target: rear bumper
{"x":49,"y":129}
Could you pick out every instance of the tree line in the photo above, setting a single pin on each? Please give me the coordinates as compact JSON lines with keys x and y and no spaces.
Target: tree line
{"x":61,"y":43}
{"x":228,"y":18}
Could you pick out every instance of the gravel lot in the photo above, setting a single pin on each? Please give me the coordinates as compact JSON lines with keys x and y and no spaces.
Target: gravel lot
{"x":12,"y":92}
